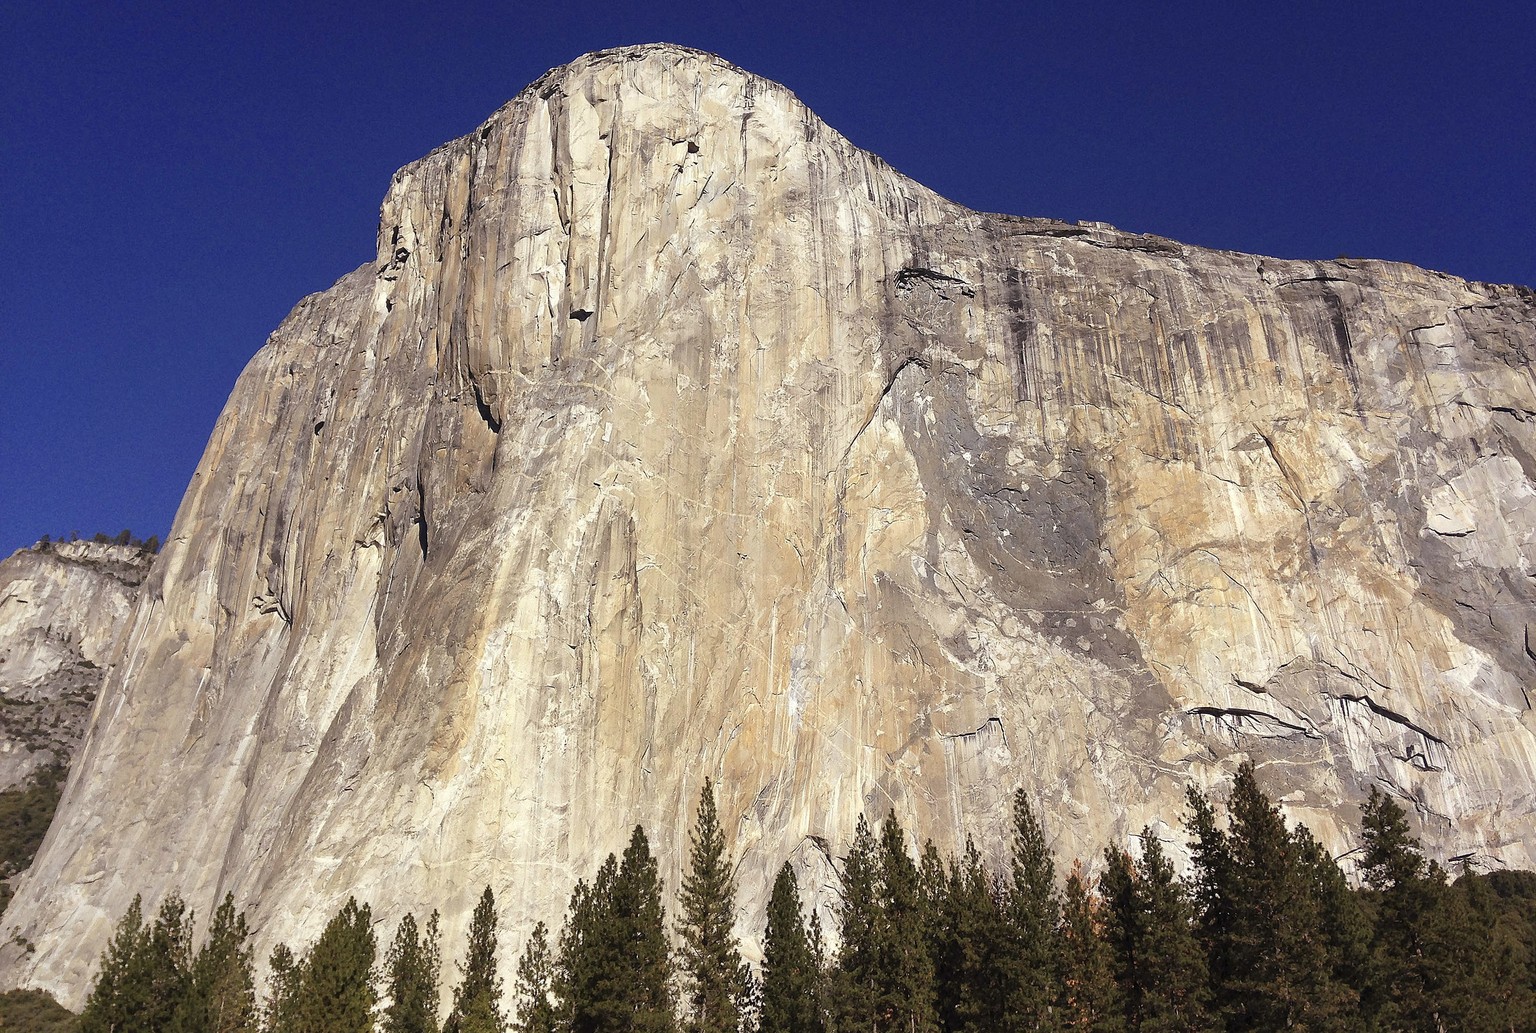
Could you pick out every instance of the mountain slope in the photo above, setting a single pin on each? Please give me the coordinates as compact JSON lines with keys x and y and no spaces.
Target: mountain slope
{"x":671,"y":435}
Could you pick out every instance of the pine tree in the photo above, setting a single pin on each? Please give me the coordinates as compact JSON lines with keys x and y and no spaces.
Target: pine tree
{"x":1122,"y":921}
{"x":167,"y":965}
{"x":221,"y":989}
{"x":1497,"y":944}
{"x":285,"y":986}
{"x":118,"y":996}
{"x":638,"y":910}
{"x":1279,"y":975}
{"x":855,"y":991}
{"x":973,"y":978}
{"x":1345,"y":926}
{"x":477,"y":998}
{"x":614,"y":971}
{"x":336,"y":992}
{"x":582,"y":964}
{"x":1149,"y":924}
{"x":826,"y":974}
{"x":904,"y":972}
{"x":411,"y":978}
{"x":1431,"y":955}
{"x":1394,"y":868}
{"x":1090,"y":1001}
{"x":714,"y":976}
{"x":1031,"y":967}
{"x":534,"y":988}
{"x":1211,"y":891}
{"x":941,"y":933}
{"x":790,"y":975}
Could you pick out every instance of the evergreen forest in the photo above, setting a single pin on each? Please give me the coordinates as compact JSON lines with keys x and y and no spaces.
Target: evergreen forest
{"x":1265,"y":933}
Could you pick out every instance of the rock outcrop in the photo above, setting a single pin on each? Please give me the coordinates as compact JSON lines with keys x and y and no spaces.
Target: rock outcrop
{"x":671,"y":435}
{"x":63,"y":610}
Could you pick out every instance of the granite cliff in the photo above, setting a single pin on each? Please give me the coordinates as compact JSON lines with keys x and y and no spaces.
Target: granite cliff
{"x":63,"y":610}
{"x":671,"y":435}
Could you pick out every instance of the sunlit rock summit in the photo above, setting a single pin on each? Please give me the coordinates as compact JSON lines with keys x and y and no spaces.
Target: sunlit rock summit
{"x":670,"y":435}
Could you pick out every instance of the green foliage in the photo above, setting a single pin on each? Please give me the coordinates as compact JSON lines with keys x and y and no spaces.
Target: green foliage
{"x":336,"y":993}
{"x":285,"y":985}
{"x":117,"y":995}
{"x":903,"y":979}
{"x":1268,"y":935}
{"x":1149,"y":925}
{"x":856,"y":987}
{"x":1263,"y":918}
{"x":614,"y":969}
{"x":25,"y":814}
{"x":534,"y":989}
{"x":1031,"y":953}
{"x":791,"y":970}
{"x":966,"y":928}
{"x":716,"y":982}
{"x":1090,"y":997}
{"x":477,"y":998}
{"x":33,"y":1011}
{"x":144,"y":973}
{"x":411,"y":969}
{"x":220,"y":992}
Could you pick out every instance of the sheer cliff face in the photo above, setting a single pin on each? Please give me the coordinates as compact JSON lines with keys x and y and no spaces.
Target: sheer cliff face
{"x":63,"y":611}
{"x":670,"y":435}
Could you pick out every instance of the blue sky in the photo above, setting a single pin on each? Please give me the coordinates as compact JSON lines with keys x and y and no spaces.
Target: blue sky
{"x":176,"y":177}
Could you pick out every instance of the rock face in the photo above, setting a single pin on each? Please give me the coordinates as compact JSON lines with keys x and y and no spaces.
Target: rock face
{"x":63,"y":611}
{"x":671,"y":435}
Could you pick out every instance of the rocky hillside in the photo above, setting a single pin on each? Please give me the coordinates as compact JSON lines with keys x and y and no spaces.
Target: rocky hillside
{"x":64,"y":608}
{"x":671,"y":435}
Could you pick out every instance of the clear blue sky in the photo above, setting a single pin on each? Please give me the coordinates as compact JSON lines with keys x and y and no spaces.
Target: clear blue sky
{"x":175,"y":177}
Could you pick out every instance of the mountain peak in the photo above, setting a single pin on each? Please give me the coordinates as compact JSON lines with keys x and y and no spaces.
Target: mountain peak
{"x":670,"y":436}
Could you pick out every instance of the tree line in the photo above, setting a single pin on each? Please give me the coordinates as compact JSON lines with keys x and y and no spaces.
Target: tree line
{"x":123,"y":537}
{"x":1265,"y":933}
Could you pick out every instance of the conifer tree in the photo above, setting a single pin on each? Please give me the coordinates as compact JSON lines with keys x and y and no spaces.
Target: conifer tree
{"x":411,"y":970}
{"x":534,"y":987}
{"x":165,"y":966}
{"x":1345,"y":926}
{"x":285,"y":986}
{"x":826,"y":974}
{"x":477,"y":998}
{"x":1031,"y":970}
{"x":614,"y":971}
{"x":119,"y":995}
{"x":972,"y":982}
{"x":144,"y":972}
{"x":336,"y":992}
{"x":1497,"y":982}
{"x":641,"y":918}
{"x":588,"y":959}
{"x":941,"y":932}
{"x":1422,"y":960}
{"x":1149,"y":924}
{"x":1090,"y":1001}
{"x":1279,"y":975}
{"x":1211,"y":890}
{"x":1122,"y":919}
{"x":904,"y":971}
{"x":221,"y":988}
{"x":856,"y":985}
{"x":715,"y":979}
{"x":790,"y":975}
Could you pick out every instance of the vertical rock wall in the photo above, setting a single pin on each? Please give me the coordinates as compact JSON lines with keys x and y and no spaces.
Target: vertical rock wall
{"x":670,"y":435}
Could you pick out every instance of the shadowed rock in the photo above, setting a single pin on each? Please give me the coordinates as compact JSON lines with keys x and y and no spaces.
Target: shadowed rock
{"x":671,"y":435}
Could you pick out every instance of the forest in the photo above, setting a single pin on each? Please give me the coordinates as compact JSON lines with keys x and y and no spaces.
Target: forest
{"x":1266,"y":932}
